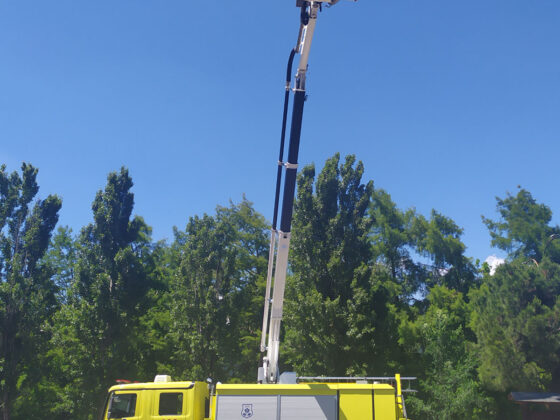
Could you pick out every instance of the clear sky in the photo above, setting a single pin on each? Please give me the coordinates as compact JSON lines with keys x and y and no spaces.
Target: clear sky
{"x":447,"y":103}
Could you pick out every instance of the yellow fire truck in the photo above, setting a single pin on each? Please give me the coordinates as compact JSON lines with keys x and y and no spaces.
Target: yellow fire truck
{"x":332,"y":399}
{"x":274,"y":396}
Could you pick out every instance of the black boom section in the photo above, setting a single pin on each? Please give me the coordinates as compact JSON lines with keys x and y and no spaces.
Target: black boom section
{"x":282,"y":138}
{"x":291,"y":168}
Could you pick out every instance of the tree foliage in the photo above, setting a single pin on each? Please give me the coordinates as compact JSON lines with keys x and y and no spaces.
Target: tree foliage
{"x":523,"y":229}
{"x":219,"y":268}
{"x":95,"y":338}
{"x":516,"y":315}
{"x":440,"y":338}
{"x":335,"y":294}
{"x":61,"y":258}
{"x":372,"y":289}
{"x":27,"y":292}
{"x":516,"y":312}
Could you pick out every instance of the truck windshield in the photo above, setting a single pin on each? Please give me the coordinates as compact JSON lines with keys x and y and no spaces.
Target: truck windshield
{"x":121,"y":405}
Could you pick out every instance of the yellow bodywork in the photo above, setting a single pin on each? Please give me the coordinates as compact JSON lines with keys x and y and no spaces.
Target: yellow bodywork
{"x":194,"y":396}
{"x":354,"y":401}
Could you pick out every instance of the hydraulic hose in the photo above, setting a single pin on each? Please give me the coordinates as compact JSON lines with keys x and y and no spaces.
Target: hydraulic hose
{"x":283,"y":137}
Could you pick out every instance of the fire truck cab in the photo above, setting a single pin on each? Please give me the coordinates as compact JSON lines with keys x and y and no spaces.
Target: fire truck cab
{"x":158,"y":400}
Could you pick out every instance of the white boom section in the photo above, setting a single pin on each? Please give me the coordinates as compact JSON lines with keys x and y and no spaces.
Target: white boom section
{"x":268,"y":286}
{"x":277,"y":305}
{"x":306,"y":37}
{"x":280,"y":241}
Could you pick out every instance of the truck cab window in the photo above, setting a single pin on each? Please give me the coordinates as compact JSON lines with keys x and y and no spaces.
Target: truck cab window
{"x":170,"y":403}
{"x":121,"y":405}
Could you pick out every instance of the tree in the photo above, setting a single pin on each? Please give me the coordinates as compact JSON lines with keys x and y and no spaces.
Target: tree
{"x":61,"y":257}
{"x":27,"y":293}
{"x":154,"y":346}
{"x":393,"y":243}
{"x":400,"y":237}
{"x":215,"y":294}
{"x":335,"y":295}
{"x":95,"y":336}
{"x":523,"y":229}
{"x":516,"y":318}
{"x":331,"y":226}
{"x":516,"y":311}
{"x":439,"y":238}
{"x":438,"y":343}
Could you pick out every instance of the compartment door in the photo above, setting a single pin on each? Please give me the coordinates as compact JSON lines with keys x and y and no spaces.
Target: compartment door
{"x":241,"y":407}
{"x":308,"y":407}
{"x":356,"y":404}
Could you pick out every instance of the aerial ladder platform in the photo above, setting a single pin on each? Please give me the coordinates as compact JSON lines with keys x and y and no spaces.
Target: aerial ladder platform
{"x":274,"y":396}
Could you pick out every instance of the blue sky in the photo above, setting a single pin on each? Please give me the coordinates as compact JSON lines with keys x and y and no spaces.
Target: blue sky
{"x":448,"y":104}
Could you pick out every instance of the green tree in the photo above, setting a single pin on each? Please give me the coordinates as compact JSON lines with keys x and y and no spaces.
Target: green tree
{"x":399,"y":238}
{"x":438,"y":343}
{"x":523,"y":229}
{"x":516,"y":318}
{"x":439,"y":239}
{"x":154,"y":346}
{"x":335,"y":295}
{"x":393,"y":243}
{"x":516,"y":311}
{"x":95,"y":336}
{"x":331,"y":226}
{"x":27,"y":293}
{"x":215,"y":294}
{"x":61,"y":257}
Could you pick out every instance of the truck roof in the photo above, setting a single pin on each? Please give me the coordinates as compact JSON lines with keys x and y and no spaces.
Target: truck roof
{"x":312,"y":388}
{"x":152,"y":385}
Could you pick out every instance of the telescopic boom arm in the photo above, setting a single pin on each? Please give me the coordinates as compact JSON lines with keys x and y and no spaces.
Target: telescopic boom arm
{"x":280,"y":239}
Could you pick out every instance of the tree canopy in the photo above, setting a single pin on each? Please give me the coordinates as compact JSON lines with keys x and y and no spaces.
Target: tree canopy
{"x":27,"y":291}
{"x":372,"y":289}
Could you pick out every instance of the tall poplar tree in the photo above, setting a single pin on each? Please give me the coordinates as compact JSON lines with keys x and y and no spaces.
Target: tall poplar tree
{"x":338,"y":304}
{"x":96,"y":331}
{"x":27,"y":294}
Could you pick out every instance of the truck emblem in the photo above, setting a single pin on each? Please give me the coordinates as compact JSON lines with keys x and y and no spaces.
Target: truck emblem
{"x":246,"y":411}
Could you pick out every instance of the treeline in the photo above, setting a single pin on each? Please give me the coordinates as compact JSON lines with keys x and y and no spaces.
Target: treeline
{"x":372,"y":290}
